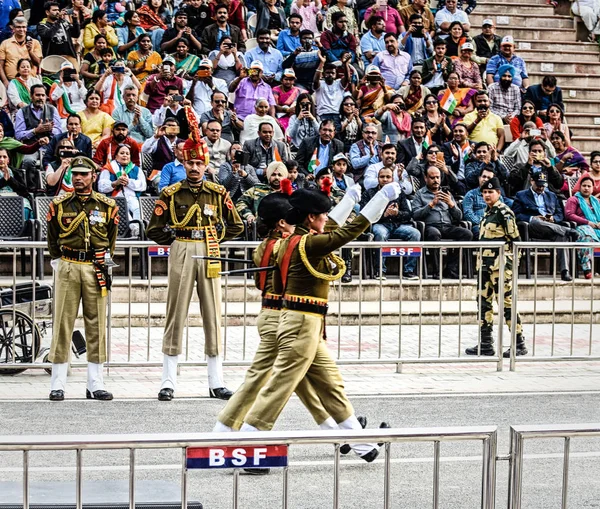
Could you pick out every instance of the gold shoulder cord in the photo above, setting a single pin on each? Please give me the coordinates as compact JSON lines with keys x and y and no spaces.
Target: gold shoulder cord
{"x":327,"y":277}
{"x":190,"y":213}
{"x":67,"y":230}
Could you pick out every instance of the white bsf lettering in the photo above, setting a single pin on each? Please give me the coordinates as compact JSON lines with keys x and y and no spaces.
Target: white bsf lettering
{"x":216,"y":457}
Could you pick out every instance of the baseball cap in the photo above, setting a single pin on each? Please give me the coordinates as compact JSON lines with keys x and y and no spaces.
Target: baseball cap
{"x":372,"y":69}
{"x":206,"y":62}
{"x":488,"y":21}
{"x":289,"y":73}
{"x":340,"y":157}
{"x":256,"y":64}
{"x":540,"y":177}
{"x":507,"y":39}
{"x":467,"y":45}
{"x":168,"y":60}
{"x":120,"y":124}
{"x":66,"y":65}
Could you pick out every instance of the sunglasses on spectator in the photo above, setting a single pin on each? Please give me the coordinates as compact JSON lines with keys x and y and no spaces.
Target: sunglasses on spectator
{"x":220,"y":101}
{"x":596,"y":161}
{"x":433,"y":152}
{"x":527,"y":108}
{"x":430,"y":102}
{"x":213,"y":130}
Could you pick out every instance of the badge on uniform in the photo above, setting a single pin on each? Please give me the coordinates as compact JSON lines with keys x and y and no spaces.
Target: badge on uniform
{"x":96,"y":217}
{"x":209,"y":210}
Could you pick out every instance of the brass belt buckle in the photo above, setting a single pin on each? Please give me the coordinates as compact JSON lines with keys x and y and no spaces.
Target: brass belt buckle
{"x":197,"y":234}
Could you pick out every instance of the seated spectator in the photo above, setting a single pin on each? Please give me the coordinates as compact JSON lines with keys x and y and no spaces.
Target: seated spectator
{"x":98,"y":26}
{"x":340,"y":38}
{"x":388,"y":160}
{"x":486,"y":156}
{"x":218,"y":148}
{"x":341,"y":181}
{"x":590,"y":14}
{"x":449,"y":14}
{"x":413,"y":146}
{"x":214,"y":35}
{"x":161,"y":147}
{"x":17,"y":48}
{"x":365,"y":152}
{"x":517,"y":153}
{"x":227,"y":61}
{"x":115,"y":77}
{"x":416,"y":41}
{"x":351,"y":123}
{"x":395,"y":120}
{"x":138,"y":118}
{"x":271,"y":17}
{"x":235,"y":176}
{"x":57,"y":31}
{"x":203,"y":87}
{"x":58,"y":177}
{"x":507,"y":56}
{"x":174,"y":106}
{"x":77,"y":139}
{"x":99,"y":67}
{"x":474,"y":205}
{"x":464,"y":97}
{"x":155,"y":18}
{"x":436,"y":207}
{"x":16,"y":149}
{"x":505,"y":98}
{"x":247,"y":204}
{"x":265,"y":149}
{"x":556,"y":122}
{"x":414,"y":93}
{"x":107,"y":148}
{"x":285,"y":98}
{"x":373,"y":93}
{"x":487,"y":43}
{"x":456,"y":38}
{"x":13,"y":184}
{"x":543,"y":210}
{"x":121,"y":177}
{"x":437,"y":68}
{"x":129,"y":33}
{"x":483,"y":125}
{"x":303,"y":123}
{"x":341,"y":6}
{"x":594,"y":173}
{"x":430,"y":157}
{"x":467,"y":69}
{"x":157,"y":84}
{"x":144,"y":61}
{"x":373,"y":42}
{"x":329,"y":92}
{"x":545,"y":94}
{"x":270,"y":58}
{"x":568,"y":161}
{"x":18,"y":88}
{"x":252,"y":122}
{"x":537,"y":162}
{"x":220,"y":112}
{"x":180,"y":29}
{"x":92,"y":57}
{"x":289,"y":39}
{"x":527,"y":115}
{"x":436,"y":121}
{"x":419,"y":7}
{"x":249,"y":89}
{"x":456,"y":155}
{"x":318,"y":152}
{"x":310,"y":10}
{"x":235,"y":13}
{"x":584,"y":209}
{"x":395,"y":65}
{"x":174,"y":171}
{"x":297,"y":179}
{"x":68,"y":92}
{"x":186,"y":63}
{"x":390,"y":16}
{"x":304,"y":60}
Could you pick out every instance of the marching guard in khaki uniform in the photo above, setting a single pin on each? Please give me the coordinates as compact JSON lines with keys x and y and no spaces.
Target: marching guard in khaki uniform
{"x":306,"y":266}
{"x":201,"y":214}
{"x":82,"y":229}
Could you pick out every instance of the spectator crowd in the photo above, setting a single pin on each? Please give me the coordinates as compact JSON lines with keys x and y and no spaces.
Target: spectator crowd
{"x":364,"y":92}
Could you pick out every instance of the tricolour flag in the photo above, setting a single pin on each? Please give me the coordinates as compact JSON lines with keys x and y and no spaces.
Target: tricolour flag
{"x":427,"y":141}
{"x":448,"y":102}
{"x":314,"y":162}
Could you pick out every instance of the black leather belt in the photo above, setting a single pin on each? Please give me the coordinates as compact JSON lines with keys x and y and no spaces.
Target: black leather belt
{"x":305,"y":307}
{"x":79,"y":255}
{"x":272,"y":303}
{"x":190,"y":234}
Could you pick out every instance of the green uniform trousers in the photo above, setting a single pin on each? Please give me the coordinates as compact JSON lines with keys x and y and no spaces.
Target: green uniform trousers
{"x":74,"y":283}
{"x":302,"y":352}
{"x":490,"y":274}
{"x":184,"y":272}
{"x":258,"y":374}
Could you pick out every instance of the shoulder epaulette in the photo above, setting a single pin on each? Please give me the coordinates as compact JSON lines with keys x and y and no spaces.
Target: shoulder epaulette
{"x":215,"y":187}
{"x":172,"y":189}
{"x":105,"y":199}
{"x":60,"y":199}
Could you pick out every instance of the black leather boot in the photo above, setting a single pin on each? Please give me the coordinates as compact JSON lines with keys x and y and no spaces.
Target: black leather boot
{"x":521,"y":348}
{"x":487,"y":345}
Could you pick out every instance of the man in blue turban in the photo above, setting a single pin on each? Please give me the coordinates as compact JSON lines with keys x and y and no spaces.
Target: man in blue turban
{"x":505,"y":97}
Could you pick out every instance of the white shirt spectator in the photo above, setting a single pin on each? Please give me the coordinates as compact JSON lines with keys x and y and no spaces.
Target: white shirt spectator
{"x":217,"y":153}
{"x":328,"y":98}
{"x":445,"y":16}
{"x":203,"y":93}
{"x":372,"y":173}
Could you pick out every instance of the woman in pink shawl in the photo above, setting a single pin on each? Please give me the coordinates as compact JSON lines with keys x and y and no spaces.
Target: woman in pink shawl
{"x":285,"y":98}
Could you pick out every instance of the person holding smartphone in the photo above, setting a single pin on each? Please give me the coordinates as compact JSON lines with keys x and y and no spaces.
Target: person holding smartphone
{"x":115,"y":76}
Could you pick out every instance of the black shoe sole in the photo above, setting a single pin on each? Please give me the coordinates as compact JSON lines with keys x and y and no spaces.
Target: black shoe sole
{"x":346,"y":448}
{"x":89,"y":395}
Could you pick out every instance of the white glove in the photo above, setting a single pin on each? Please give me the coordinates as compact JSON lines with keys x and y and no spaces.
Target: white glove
{"x":355,"y":193}
{"x":391,"y":191}
{"x":54,"y":263}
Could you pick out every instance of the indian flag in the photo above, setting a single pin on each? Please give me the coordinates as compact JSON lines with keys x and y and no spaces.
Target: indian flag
{"x":427,"y":141}
{"x":448,"y":101}
{"x":314,"y":162}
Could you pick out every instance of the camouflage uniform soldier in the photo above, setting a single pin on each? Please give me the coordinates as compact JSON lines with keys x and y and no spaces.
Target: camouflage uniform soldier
{"x":498,"y":223}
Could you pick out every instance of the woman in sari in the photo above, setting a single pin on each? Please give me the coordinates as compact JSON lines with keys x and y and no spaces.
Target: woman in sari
{"x":414,"y":93}
{"x":12,"y":183}
{"x":95,"y":124}
{"x":593,"y":173}
{"x":463,"y":97}
{"x":251,"y":122}
{"x":556,"y":122}
{"x":373,"y":93}
{"x":154,"y":19}
{"x":144,"y":61}
{"x":395,"y":120}
{"x":568,"y":161}
{"x":467,"y":69}
{"x":285,"y":96}
{"x":185,"y":62}
{"x":18,"y":89}
{"x":90,"y":65}
{"x":584,"y":209}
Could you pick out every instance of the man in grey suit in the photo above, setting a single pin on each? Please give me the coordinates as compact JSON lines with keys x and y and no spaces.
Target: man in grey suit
{"x":264,"y":150}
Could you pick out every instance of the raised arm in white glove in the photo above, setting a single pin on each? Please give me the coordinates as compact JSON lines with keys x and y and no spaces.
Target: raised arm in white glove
{"x":376,"y":206}
{"x":343,"y":209}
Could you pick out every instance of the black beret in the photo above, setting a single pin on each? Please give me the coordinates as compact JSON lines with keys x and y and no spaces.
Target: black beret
{"x":308,"y":201}
{"x":274,"y":207}
{"x":323,"y":172}
{"x":493,"y":183}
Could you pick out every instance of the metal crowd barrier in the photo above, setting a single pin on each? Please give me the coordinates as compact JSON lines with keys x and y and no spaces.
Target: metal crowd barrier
{"x":487,"y":435}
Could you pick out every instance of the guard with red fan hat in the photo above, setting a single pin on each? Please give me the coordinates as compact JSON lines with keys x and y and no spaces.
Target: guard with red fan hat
{"x":201,"y":214}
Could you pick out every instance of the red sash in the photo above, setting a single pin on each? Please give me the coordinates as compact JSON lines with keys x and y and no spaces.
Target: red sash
{"x":285,"y":263}
{"x":264,"y":262}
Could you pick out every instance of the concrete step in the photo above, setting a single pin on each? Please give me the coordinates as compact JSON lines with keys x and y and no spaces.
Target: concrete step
{"x":566,"y":65}
{"x":507,"y":20}
{"x":575,"y":92}
{"x":582,"y":105}
{"x":536,"y":33}
{"x":583,"y":119}
{"x":527,"y":43}
{"x":565,"y":80}
{"x":512,"y":9}
{"x":544,"y":55}
{"x":586,"y":144}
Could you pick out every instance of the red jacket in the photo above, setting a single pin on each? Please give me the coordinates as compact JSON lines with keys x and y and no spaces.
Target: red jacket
{"x":109,"y":145}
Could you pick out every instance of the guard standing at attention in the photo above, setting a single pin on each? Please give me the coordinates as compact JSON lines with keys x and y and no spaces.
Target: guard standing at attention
{"x":82,"y":228}
{"x":498,"y":223}
{"x":201,"y":214}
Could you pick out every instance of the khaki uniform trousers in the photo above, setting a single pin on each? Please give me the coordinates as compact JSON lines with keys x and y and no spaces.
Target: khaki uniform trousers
{"x":184,"y":273}
{"x":74,"y":283}
{"x":258,"y":374}
{"x":302,"y":352}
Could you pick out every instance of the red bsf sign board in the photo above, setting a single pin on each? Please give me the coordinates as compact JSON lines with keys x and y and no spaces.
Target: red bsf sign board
{"x":262,"y":456}
{"x":159,"y":250}
{"x":401,"y":251}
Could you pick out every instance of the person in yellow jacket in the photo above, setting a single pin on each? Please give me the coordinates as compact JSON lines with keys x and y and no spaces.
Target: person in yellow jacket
{"x":99,"y":25}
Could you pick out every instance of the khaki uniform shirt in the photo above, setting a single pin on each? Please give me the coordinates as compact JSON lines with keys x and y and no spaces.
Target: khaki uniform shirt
{"x":499,"y":223}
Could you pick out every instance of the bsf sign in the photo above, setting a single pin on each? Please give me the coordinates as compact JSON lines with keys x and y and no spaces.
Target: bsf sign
{"x":267,"y":456}
{"x":401,"y":251}
{"x":159,"y":250}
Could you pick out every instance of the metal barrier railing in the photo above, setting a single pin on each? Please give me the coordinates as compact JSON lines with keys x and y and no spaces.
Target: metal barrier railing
{"x":487,"y":435}
{"x":518,"y":435}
